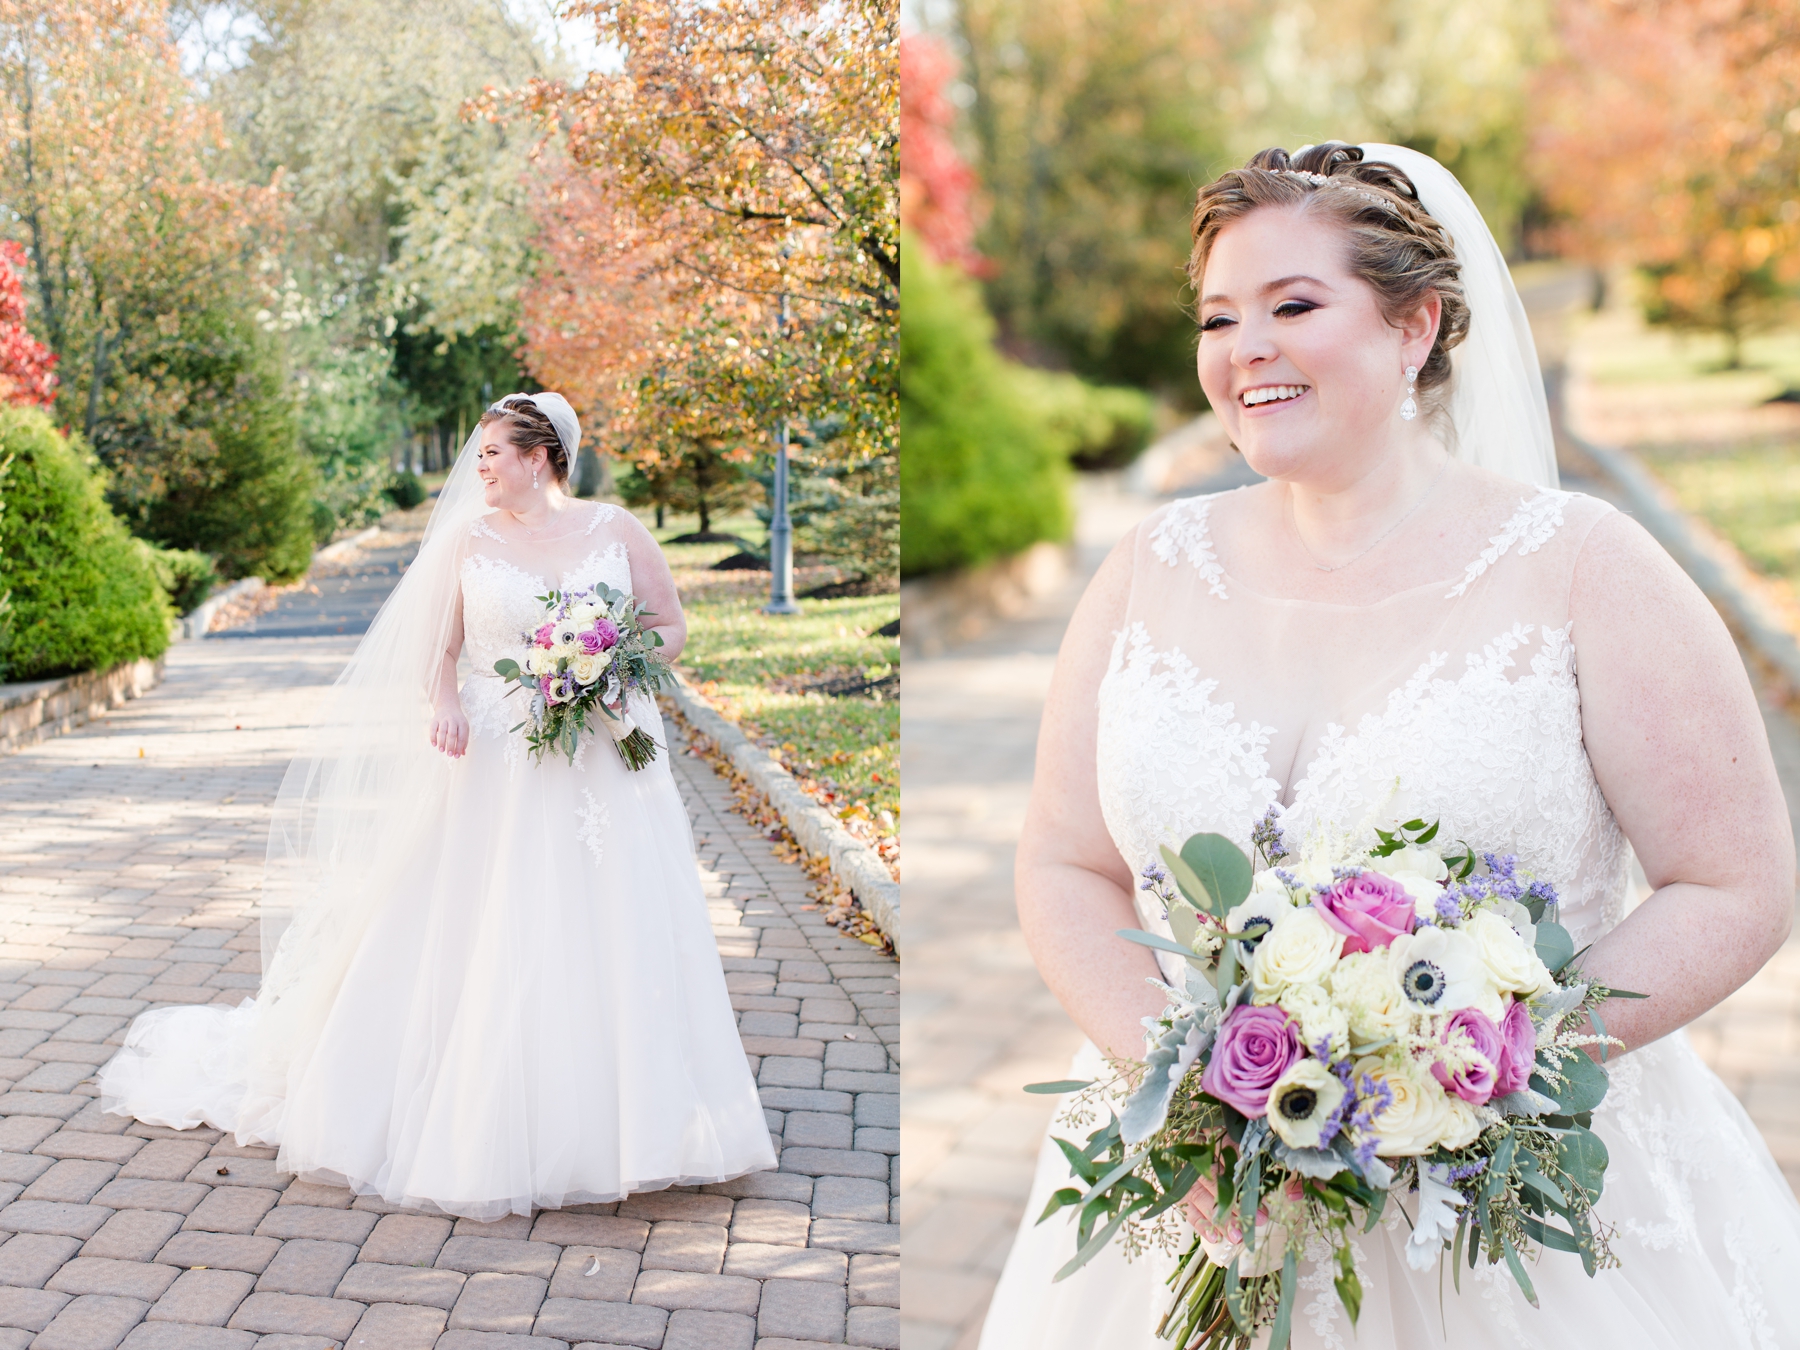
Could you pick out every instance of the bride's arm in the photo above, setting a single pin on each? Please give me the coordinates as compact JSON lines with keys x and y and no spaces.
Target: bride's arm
{"x":654,"y":585}
{"x":1679,"y":746}
{"x":449,"y":724}
{"x":1074,"y":891}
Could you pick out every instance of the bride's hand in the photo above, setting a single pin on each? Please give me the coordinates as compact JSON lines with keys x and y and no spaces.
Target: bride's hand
{"x":450,"y":729}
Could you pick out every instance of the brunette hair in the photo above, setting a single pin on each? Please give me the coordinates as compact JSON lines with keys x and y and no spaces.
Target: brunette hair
{"x":1394,"y":244}
{"x":528,"y":428}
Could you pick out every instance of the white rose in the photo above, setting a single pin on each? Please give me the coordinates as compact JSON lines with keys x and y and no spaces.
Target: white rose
{"x":564,"y":651}
{"x":1300,"y":949}
{"x":539,"y":661}
{"x":583,"y":612}
{"x":1363,"y":985}
{"x":587,"y":668}
{"x":1267,"y":883}
{"x":1320,"y":1019}
{"x":1418,"y":1117}
{"x":1514,"y":967}
{"x":1465,"y":1123}
{"x":1420,"y":871}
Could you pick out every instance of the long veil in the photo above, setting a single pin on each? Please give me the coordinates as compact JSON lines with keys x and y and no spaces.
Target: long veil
{"x":1497,"y":403}
{"x":364,"y":784}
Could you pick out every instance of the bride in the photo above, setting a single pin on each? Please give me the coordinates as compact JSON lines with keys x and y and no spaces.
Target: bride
{"x":1409,"y":619}
{"x":490,"y":985}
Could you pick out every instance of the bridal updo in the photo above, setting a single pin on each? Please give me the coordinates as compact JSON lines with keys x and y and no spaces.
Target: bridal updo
{"x":528,"y":427}
{"x":1394,"y":244}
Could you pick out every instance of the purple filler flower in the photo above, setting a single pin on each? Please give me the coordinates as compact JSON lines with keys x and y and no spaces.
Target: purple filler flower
{"x":1518,"y":1049}
{"x":1255,"y":1047}
{"x":1370,"y":909}
{"x":1478,"y":1075}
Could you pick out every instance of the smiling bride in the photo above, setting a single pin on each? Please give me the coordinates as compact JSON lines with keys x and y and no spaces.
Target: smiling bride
{"x":490,"y":984}
{"x":1409,"y":619}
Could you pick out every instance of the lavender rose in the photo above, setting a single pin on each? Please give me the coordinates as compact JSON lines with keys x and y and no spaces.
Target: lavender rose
{"x":1483,"y":1047}
{"x":608,"y":633}
{"x":1255,"y":1047}
{"x":590,"y":642}
{"x":1370,"y":909}
{"x":1518,"y":1049}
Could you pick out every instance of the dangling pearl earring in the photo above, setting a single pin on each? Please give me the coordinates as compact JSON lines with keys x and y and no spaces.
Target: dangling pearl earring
{"x":1409,"y":409}
{"x":534,"y":472}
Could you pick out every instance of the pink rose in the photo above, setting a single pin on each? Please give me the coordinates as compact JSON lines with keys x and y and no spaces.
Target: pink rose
{"x":608,"y":632}
{"x":1518,"y":1049}
{"x":1475,"y":1081}
{"x":1255,"y":1047}
{"x":1369,"y":909}
{"x":546,"y":636}
{"x":590,"y":641}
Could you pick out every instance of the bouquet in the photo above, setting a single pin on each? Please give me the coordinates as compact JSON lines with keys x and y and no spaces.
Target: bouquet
{"x":591,"y":650}
{"x":1353,"y":1027}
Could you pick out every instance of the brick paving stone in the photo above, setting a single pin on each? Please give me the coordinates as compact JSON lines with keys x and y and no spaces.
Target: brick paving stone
{"x":369,"y":1282}
{"x":29,"y":1259}
{"x":46,"y":1216}
{"x":406,"y":1239}
{"x":493,"y":1302}
{"x":164,"y":1160}
{"x":397,"y":1326}
{"x":684,"y":1289}
{"x":765,"y":1261}
{"x":590,"y":1230}
{"x":776,"y":1221}
{"x":675,"y":1245}
{"x":875,"y":1281}
{"x":835,"y":1162}
{"x":23,"y":1168}
{"x":130,"y":1235}
{"x":307,"y":1266}
{"x":232,"y":1209}
{"x":203,"y":1297}
{"x":613,"y":1273}
{"x":578,"y":1319}
{"x":179,"y":1197}
{"x":689,"y":1205}
{"x":878,"y":1327}
{"x":178,"y":1336}
{"x":850,"y":1236}
{"x":506,"y":1255}
{"x":218,"y":1251}
{"x":289,"y":1314}
{"x":818,"y":1129}
{"x":803,"y":1309}
{"x":31,"y":1309}
{"x":497,"y":1340}
{"x":100,"y":1275}
{"x":215,"y":1170}
{"x":837,"y":1197}
{"x":691,"y":1329}
{"x":91,"y":1322}
{"x":308,"y":1221}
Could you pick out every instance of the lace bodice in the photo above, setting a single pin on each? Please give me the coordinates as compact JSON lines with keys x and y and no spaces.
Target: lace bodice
{"x":501,"y":582}
{"x":1456,"y":701}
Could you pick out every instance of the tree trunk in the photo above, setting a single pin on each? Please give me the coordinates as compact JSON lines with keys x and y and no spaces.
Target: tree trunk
{"x":705,"y":512}
{"x":659,"y":513}
{"x":95,"y":381}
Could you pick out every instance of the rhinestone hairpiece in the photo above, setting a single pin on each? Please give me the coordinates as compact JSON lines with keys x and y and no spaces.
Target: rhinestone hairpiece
{"x":1320,"y":180}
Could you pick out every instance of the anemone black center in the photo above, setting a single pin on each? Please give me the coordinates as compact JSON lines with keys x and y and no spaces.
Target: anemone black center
{"x":1298,"y":1103}
{"x":1423,"y":982}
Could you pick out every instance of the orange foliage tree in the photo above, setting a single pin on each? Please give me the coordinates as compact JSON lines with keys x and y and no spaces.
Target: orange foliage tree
{"x":742,"y":164}
{"x":26,"y":364}
{"x":1669,"y":138}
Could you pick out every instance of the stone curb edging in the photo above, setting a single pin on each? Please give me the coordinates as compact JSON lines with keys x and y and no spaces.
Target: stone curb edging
{"x":939,"y":611}
{"x":36,"y":710}
{"x":198,"y":622}
{"x":1713,"y":563}
{"x":818,"y":832}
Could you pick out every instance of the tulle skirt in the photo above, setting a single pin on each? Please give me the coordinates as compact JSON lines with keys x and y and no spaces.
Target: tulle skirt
{"x":1704,"y":1224}
{"x":534,"y":1015}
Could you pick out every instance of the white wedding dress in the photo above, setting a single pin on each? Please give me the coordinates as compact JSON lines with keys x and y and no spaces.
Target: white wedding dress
{"x":1459,"y":701}
{"x":529,"y":1009}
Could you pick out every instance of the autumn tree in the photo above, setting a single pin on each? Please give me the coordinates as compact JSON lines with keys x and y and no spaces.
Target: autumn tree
{"x":937,"y":186}
{"x":26,"y":365}
{"x":1669,"y":139}
{"x":740,"y":182}
{"x":150,"y":271}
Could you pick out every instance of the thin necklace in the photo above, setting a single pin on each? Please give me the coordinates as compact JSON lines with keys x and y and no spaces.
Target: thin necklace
{"x":1294,"y":525}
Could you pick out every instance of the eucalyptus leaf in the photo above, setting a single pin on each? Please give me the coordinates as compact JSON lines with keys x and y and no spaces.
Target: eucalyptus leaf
{"x":1525,"y":1102}
{"x":1091,"y":1247}
{"x":1583,"y":1088}
{"x":1583,"y":1158}
{"x":1184,"y":923}
{"x":506,"y":668}
{"x":1221,"y":867}
{"x":1188,"y":881}
{"x":1161,"y":944}
{"x":1284,"y":1308}
{"x":1059,"y":1087}
{"x":1555,"y":948}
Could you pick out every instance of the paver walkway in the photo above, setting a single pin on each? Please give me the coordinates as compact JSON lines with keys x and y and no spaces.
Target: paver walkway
{"x":130,"y":857}
{"x":979,"y":1022}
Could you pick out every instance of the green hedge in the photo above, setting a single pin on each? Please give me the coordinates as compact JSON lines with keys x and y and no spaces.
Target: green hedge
{"x":1101,"y":426}
{"x":982,"y":472}
{"x":82,"y":595}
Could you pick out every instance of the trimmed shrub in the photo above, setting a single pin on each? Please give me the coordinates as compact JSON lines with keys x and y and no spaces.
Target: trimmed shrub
{"x":186,"y":577}
{"x":82,"y":594}
{"x":406,"y":490}
{"x":982,"y":471}
{"x":1101,"y":426}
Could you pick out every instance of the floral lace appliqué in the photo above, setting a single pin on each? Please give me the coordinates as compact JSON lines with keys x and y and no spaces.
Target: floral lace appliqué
{"x":1183,"y":531}
{"x":1530,"y":528}
{"x":596,"y":819}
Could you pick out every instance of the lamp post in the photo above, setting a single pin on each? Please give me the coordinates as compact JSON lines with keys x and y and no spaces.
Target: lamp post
{"x":781,"y":529}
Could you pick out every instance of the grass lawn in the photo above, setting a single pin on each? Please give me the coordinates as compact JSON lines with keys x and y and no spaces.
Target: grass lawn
{"x":1728,"y":452}
{"x":764,"y":671}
